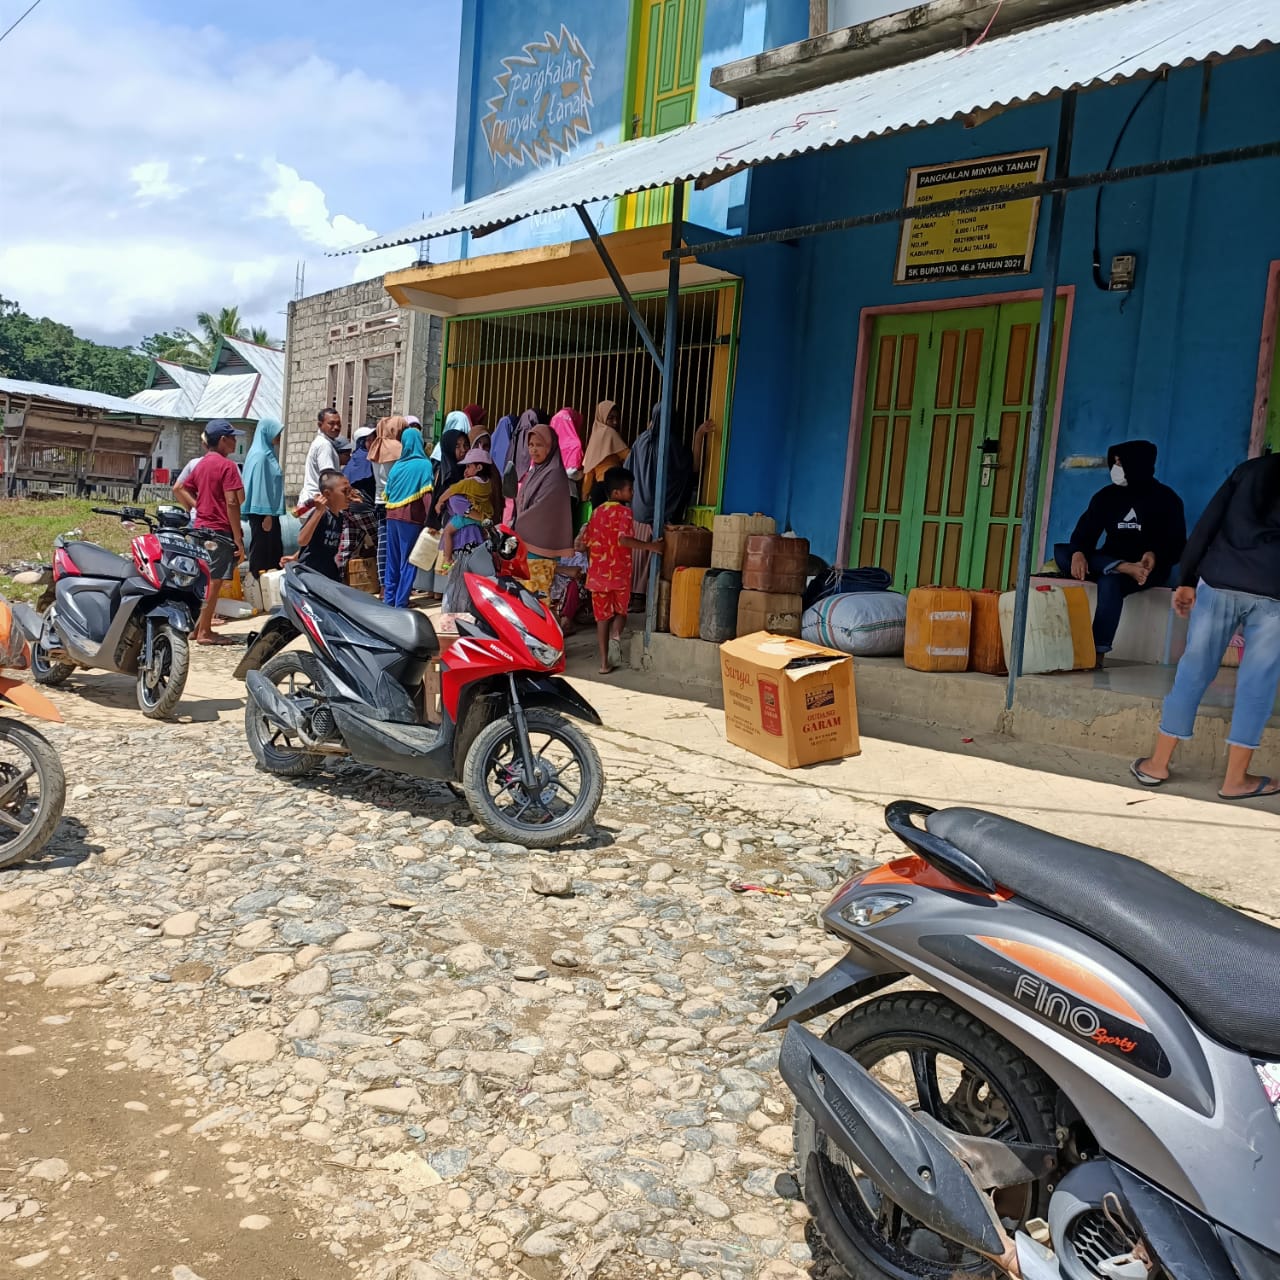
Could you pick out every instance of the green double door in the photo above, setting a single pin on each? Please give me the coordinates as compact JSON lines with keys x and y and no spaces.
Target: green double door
{"x":944,"y":439}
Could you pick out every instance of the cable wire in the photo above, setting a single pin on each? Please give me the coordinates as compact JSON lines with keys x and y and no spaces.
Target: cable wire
{"x":29,"y":9}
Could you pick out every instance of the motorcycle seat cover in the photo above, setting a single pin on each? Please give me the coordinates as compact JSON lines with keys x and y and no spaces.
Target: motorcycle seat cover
{"x":1218,"y":964}
{"x":405,"y":628}
{"x":97,"y":562}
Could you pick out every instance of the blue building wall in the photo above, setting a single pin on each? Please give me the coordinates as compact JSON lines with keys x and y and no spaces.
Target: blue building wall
{"x":546,"y":37}
{"x":1175,"y":361}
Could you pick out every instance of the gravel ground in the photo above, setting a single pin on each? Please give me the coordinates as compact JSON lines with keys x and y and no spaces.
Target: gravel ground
{"x":370,"y":1041}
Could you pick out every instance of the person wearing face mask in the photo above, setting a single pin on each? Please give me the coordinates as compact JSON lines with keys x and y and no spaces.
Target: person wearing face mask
{"x":1142,"y":528}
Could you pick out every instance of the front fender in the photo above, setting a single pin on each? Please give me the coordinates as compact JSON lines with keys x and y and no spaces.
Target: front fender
{"x":856,"y":974}
{"x":177,"y":614}
{"x":265,"y":644}
{"x":28,"y":619}
{"x":29,"y":699}
{"x":559,"y":695}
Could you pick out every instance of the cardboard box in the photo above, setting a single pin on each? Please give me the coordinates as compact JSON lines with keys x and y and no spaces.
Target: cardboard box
{"x":787,"y":700}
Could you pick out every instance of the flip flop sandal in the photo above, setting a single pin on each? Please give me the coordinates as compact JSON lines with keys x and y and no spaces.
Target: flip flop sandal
{"x":1145,"y":779}
{"x":1262,"y":789}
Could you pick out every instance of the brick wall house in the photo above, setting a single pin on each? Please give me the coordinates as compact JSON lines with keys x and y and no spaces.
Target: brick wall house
{"x":354,"y":349}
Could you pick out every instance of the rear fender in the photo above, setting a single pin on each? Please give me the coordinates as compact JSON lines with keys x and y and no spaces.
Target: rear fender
{"x":265,"y":644}
{"x":854,"y":976}
{"x":29,"y":699}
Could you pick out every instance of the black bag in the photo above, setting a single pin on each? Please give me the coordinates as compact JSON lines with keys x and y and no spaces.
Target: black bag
{"x":839,"y":582}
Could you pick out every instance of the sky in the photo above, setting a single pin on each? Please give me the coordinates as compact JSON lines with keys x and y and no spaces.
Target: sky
{"x":161,"y":159}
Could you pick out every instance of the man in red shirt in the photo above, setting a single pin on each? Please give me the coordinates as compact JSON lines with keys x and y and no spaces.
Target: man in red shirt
{"x":214,"y":490}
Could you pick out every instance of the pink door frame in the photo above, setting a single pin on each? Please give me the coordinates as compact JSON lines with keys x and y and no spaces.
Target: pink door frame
{"x":1266,"y":361}
{"x":861,"y":369}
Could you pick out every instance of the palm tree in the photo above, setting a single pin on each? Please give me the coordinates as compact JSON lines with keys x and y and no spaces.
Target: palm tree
{"x":259,"y":335}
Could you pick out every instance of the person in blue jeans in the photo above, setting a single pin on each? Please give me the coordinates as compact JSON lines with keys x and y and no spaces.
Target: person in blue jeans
{"x":1143,"y":530}
{"x":1230,"y":580}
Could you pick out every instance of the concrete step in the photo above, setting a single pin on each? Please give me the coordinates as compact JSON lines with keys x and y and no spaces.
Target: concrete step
{"x":1116,"y":710}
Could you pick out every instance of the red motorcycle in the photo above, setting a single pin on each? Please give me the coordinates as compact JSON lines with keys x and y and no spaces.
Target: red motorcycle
{"x":528,"y":774}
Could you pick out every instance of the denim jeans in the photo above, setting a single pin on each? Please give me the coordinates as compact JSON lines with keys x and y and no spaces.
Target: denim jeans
{"x":1113,"y":590}
{"x":1214,"y":620}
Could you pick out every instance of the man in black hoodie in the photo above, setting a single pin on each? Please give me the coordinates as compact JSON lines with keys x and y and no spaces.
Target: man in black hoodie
{"x":1143,"y":530}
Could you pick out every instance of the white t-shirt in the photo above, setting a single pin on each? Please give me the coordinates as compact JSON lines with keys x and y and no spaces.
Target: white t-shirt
{"x":322,"y":456}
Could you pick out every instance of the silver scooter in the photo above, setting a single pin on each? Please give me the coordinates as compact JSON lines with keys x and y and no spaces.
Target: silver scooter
{"x":1088,"y":1088}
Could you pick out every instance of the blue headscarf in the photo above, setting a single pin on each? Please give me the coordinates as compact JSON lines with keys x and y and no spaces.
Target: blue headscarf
{"x":456,"y":421}
{"x":263,"y":477}
{"x":410,"y":478}
{"x":500,"y":444}
{"x":359,"y":468}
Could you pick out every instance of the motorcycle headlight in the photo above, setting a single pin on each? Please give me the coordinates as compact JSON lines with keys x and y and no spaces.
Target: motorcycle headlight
{"x":183,"y":570}
{"x":546,"y":654}
{"x":871,"y":908}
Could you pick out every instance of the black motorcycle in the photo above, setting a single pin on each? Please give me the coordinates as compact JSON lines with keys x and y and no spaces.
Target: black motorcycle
{"x":131,"y":616}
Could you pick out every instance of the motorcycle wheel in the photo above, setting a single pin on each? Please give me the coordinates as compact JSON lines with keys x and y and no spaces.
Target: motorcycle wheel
{"x":571,"y":780}
{"x":932,"y":1056}
{"x":45,"y":672}
{"x":294,"y":674}
{"x":28,"y":817}
{"x":160,"y":688}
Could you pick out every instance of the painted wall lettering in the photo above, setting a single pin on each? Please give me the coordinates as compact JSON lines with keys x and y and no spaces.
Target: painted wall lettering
{"x":543,"y":104}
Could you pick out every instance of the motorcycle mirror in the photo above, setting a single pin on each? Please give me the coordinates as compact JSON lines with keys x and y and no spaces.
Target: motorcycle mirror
{"x":132,"y":513}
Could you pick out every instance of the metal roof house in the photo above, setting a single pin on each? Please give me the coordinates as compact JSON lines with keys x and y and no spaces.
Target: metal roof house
{"x":64,"y":438}
{"x":244,"y":383}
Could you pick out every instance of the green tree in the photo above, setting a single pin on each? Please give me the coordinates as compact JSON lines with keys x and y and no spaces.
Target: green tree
{"x":40,"y":350}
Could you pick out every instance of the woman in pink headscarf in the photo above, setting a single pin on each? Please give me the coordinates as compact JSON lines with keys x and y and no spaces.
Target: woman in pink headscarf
{"x":567,"y":424}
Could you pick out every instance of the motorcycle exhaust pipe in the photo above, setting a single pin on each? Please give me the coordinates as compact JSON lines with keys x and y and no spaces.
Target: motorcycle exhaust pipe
{"x":280,"y":711}
{"x":905,"y":1159}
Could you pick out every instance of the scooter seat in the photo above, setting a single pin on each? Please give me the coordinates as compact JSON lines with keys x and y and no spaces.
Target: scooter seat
{"x":1218,"y":964}
{"x":97,"y":562}
{"x":407,"y":629}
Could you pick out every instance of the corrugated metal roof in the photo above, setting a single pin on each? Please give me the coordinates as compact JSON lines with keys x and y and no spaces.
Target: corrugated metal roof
{"x":79,"y":399}
{"x":227,"y":395}
{"x":176,"y":389}
{"x":268,"y":396}
{"x":1134,"y":39}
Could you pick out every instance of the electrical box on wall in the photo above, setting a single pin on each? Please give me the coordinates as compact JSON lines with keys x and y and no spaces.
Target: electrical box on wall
{"x":1124,"y":269}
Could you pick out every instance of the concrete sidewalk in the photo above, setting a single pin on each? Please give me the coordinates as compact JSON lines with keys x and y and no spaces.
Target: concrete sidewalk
{"x":1230,"y":851}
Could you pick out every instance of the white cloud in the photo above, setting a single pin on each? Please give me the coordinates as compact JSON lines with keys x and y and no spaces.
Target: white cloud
{"x":197,"y":171}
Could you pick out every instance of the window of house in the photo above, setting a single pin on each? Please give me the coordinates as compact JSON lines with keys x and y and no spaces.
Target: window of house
{"x":379,"y":381}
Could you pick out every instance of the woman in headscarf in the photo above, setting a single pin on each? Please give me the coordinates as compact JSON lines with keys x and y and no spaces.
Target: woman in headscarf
{"x":484,"y":441}
{"x":518,"y":459}
{"x":477,"y":415}
{"x":643,"y":465}
{"x":544,"y":514}
{"x":453,"y":448}
{"x":567,"y":424}
{"x":456,"y":421}
{"x":264,"y":498}
{"x":605,"y":447}
{"x":359,"y":470}
{"x":384,"y":452}
{"x":408,"y":505}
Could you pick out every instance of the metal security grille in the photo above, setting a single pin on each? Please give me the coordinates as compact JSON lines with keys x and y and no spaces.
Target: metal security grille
{"x":581,"y":353}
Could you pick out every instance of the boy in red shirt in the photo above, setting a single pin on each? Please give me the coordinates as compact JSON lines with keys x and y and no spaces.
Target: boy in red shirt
{"x":214,"y":489}
{"x":608,"y":539}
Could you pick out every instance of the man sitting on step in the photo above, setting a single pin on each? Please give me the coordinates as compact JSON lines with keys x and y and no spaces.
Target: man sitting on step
{"x":1143,"y":530}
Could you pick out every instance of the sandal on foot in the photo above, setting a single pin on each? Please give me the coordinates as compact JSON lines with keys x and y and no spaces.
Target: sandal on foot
{"x":1265,"y":787}
{"x":1145,"y":779}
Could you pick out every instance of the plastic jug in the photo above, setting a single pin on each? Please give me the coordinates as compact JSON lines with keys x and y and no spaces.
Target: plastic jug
{"x":938,"y":622}
{"x":1084,"y":655}
{"x":1048,"y":645}
{"x":776,"y":563}
{"x":685,"y":544}
{"x":986,"y":644}
{"x":776,"y":611}
{"x":718,"y":616}
{"x":729,"y":538}
{"x":686,"y":601}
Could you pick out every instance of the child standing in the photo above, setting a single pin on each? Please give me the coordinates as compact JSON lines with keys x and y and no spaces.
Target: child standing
{"x":467,"y":505}
{"x":609,"y":539}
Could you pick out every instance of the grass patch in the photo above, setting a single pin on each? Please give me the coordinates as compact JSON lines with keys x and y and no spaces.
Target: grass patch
{"x":28,"y":527}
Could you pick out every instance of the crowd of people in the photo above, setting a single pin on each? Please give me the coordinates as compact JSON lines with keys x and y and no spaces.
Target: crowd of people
{"x":584,"y":508}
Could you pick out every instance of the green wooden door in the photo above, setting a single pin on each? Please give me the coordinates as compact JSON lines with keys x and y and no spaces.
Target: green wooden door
{"x":943,"y":445}
{"x":1271,"y":441}
{"x":666,"y":54}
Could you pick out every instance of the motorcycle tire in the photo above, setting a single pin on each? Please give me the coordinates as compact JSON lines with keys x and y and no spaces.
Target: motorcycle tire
{"x":1017,"y":1095}
{"x":483,"y":757}
{"x":287,"y":762}
{"x":49,"y":674}
{"x":47,"y":766}
{"x":159,"y":703}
